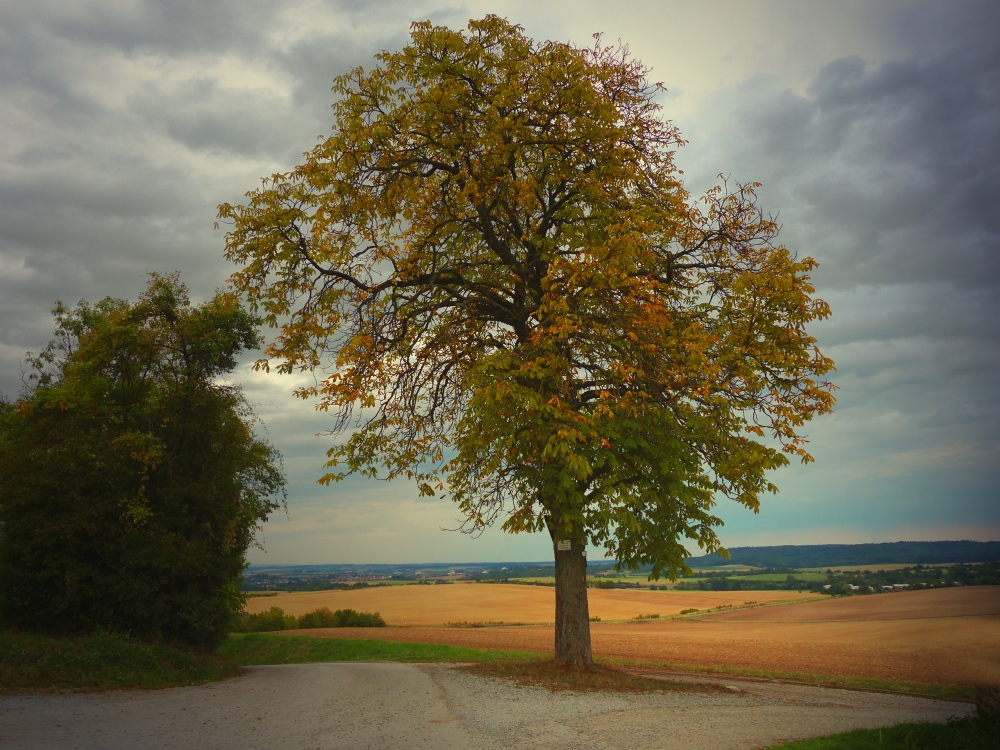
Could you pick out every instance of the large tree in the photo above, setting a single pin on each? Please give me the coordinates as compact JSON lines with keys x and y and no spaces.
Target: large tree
{"x":515,"y":302}
{"x":131,"y":479}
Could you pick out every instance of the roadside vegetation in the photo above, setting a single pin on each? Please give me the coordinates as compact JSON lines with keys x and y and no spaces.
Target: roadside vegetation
{"x":973,"y":733}
{"x":36,"y":663}
{"x":264,"y":648}
{"x":522,"y":668}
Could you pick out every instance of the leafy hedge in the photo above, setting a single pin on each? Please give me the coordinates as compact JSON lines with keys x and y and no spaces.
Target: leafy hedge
{"x":131,"y":478}
{"x":276,"y":619}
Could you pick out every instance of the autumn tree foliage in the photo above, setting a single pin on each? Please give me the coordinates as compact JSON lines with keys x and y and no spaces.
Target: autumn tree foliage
{"x":514,"y":302}
{"x":131,"y":477}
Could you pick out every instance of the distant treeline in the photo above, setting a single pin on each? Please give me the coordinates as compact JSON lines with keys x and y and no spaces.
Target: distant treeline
{"x":527,"y":570}
{"x":835,"y":555}
{"x":303,"y":583}
{"x":853,"y":582}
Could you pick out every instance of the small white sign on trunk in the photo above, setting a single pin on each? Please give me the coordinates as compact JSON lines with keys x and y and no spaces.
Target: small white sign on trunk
{"x":564,"y":545}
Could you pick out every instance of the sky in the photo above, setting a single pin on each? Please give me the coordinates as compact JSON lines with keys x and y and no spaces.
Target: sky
{"x":874,"y":128}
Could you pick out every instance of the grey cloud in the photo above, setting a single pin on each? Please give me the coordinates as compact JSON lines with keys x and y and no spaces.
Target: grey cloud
{"x":909,"y":311}
{"x":202,"y":115}
{"x":149,"y":25}
{"x":318,"y":57}
{"x":896,"y":163}
{"x":95,"y":191}
{"x":883,"y":172}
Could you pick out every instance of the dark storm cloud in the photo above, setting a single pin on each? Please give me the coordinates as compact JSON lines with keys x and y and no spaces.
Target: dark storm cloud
{"x":895,"y":164}
{"x":886,"y":173}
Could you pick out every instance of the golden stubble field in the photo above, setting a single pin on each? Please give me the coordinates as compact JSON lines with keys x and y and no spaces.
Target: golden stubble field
{"x":508,"y":603}
{"x":948,"y":636}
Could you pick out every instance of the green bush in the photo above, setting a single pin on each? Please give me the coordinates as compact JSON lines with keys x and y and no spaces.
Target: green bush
{"x":602,"y":584}
{"x":131,"y":479}
{"x":348,"y":618}
{"x":276,"y":619}
{"x":321,"y":618}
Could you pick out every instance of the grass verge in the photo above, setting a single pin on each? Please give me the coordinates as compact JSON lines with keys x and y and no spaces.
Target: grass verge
{"x":973,"y":733}
{"x":272,"y":649}
{"x":265,"y":648}
{"x":963,"y":693}
{"x":100,"y":662}
{"x":519,"y":667}
{"x":38,"y":663}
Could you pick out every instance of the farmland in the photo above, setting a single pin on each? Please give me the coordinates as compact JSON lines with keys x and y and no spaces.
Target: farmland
{"x":979,"y":601}
{"x":948,"y":636}
{"x":508,"y":603}
{"x":811,"y":577}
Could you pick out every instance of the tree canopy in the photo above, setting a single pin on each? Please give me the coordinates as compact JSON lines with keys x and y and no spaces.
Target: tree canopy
{"x":132,"y":481}
{"x":515,"y":302}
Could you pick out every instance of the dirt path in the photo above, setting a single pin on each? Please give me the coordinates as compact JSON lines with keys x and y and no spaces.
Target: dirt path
{"x":362,"y":706}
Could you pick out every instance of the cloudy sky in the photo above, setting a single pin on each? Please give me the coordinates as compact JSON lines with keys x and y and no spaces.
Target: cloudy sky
{"x":875,"y":128}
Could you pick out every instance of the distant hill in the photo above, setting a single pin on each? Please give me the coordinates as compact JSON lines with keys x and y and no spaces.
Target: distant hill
{"x":829,"y":555}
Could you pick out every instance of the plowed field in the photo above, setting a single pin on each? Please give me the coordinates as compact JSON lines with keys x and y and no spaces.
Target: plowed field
{"x":509,"y":603}
{"x":940,"y":636}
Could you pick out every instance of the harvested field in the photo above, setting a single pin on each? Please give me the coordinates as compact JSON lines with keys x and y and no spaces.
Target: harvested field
{"x":972,"y":601}
{"x":959,"y":650}
{"x":508,"y":603}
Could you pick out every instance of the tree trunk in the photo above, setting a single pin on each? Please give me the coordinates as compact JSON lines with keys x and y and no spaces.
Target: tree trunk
{"x":572,"y":610}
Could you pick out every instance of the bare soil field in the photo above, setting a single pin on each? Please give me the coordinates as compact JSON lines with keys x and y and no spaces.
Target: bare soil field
{"x":954,"y":643}
{"x":508,"y":603}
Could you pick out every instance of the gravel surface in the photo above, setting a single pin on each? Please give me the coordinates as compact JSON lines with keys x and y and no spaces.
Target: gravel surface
{"x":365,"y":706}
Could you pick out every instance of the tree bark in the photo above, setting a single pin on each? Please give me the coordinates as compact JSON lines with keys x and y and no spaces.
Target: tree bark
{"x":572,"y":610}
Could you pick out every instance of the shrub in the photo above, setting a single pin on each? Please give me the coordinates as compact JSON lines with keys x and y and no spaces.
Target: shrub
{"x":320,"y":618}
{"x":349,"y":618}
{"x":988,"y":700}
{"x":274,"y":619}
{"x":131,"y":479}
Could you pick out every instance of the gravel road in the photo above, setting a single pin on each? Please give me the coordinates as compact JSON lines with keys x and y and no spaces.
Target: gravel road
{"x":391,"y":706}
